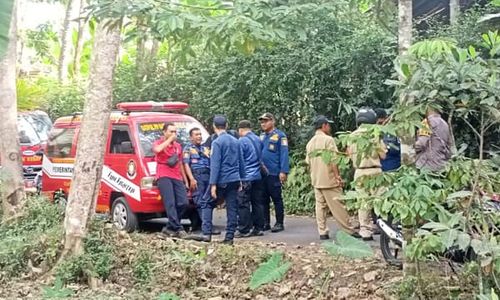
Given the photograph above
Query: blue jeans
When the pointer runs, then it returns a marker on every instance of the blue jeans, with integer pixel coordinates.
(205, 204)
(272, 190)
(174, 195)
(229, 192)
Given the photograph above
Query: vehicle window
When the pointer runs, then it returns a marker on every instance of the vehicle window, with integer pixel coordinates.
(149, 132)
(120, 141)
(26, 132)
(41, 123)
(60, 142)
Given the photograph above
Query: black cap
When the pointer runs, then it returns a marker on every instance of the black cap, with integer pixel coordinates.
(266, 116)
(245, 124)
(320, 120)
(220, 120)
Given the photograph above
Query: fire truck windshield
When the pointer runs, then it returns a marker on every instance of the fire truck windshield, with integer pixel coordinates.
(149, 132)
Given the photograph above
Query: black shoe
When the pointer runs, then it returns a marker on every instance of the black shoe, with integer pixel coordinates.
(266, 227)
(199, 238)
(278, 227)
(356, 235)
(242, 235)
(168, 232)
(324, 237)
(257, 232)
(216, 232)
(227, 242)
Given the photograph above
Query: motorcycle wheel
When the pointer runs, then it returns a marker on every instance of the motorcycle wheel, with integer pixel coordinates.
(391, 250)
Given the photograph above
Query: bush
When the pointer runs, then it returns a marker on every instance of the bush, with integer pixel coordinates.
(63, 100)
(34, 239)
(298, 193)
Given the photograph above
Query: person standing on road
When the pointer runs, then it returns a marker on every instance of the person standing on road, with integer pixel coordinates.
(392, 160)
(251, 217)
(326, 180)
(366, 165)
(226, 171)
(196, 159)
(276, 165)
(172, 180)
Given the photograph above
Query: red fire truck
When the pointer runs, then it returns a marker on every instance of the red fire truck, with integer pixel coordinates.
(128, 188)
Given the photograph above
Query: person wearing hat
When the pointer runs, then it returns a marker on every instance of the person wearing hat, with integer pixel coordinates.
(326, 180)
(226, 171)
(251, 218)
(276, 166)
(392, 160)
(366, 165)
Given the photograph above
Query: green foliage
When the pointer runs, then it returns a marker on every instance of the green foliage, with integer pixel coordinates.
(274, 269)
(298, 194)
(63, 100)
(44, 40)
(30, 95)
(142, 267)
(168, 296)
(33, 239)
(58, 291)
(96, 261)
(5, 17)
(348, 246)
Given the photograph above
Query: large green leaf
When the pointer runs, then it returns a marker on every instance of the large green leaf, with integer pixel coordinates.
(271, 270)
(348, 246)
(5, 16)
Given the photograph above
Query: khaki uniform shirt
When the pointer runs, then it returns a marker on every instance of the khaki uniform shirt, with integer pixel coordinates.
(372, 161)
(322, 176)
(434, 148)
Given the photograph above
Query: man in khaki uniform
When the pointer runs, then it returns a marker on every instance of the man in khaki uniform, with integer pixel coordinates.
(367, 165)
(326, 180)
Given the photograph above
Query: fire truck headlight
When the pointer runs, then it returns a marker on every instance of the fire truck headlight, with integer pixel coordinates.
(148, 182)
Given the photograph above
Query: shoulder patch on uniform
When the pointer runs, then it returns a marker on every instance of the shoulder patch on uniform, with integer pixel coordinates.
(284, 141)
(186, 154)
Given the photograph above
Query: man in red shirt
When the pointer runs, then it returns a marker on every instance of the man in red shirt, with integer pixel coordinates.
(172, 179)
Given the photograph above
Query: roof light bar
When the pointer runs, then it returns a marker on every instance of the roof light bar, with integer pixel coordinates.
(152, 106)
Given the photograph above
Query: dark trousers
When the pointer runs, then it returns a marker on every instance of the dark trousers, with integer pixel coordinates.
(229, 192)
(250, 210)
(272, 190)
(174, 195)
(205, 204)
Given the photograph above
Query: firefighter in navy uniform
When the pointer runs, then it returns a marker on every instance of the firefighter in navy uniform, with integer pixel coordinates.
(196, 158)
(276, 165)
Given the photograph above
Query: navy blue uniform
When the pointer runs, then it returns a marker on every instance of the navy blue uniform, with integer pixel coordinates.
(226, 170)
(275, 159)
(198, 159)
(392, 160)
(249, 197)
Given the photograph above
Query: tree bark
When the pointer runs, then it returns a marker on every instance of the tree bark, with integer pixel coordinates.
(79, 40)
(66, 41)
(454, 11)
(405, 27)
(92, 139)
(12, 183)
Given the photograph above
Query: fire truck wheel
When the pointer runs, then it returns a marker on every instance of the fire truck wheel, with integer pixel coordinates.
(122, 216)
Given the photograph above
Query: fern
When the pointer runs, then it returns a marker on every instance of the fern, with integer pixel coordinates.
(272, 270)
(348, 246)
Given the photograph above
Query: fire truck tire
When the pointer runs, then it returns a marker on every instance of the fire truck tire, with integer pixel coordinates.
(122, 216)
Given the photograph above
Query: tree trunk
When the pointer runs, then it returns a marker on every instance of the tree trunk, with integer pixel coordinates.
(79, 41)
(405, 27)
(12, 183)
(92, 139)
(66, 42)
(454, 11)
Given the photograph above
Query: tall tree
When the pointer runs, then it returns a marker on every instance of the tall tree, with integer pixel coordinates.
(72, 12)
(454, 11)
(92, 138)
(12, 189)
(80, 39)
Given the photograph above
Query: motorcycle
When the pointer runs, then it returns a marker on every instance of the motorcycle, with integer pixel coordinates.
(391, 237)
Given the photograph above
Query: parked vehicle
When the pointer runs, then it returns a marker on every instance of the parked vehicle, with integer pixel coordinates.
(128, 188)
(391, 237)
